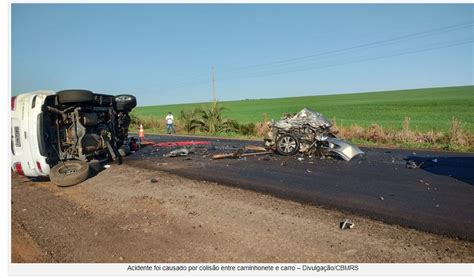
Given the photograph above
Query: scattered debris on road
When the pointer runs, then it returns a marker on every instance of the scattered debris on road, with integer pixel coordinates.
(240, 153)
(346, 224)
(411, 164)
(235, 154)
(134, 143)
(255, 153)
(181, 144)
(255, 148)
(179, 152)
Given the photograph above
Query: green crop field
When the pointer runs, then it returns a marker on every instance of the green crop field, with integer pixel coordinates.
(430, 108)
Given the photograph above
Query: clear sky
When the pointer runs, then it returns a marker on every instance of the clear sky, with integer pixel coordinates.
(164, 53)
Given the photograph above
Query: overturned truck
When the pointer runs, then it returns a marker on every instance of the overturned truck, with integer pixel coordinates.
(308, 132)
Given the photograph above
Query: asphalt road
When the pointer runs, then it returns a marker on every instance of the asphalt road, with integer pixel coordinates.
(437, 198)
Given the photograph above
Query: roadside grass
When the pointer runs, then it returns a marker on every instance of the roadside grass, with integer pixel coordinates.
(458, 138)
(371, 119)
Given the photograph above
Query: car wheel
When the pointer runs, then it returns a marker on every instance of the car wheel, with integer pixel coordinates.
(125, 103)
(287, 144)
(74, 96)
(69, 172)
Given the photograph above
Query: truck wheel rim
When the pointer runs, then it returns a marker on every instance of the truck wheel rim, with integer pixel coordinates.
(68, 169)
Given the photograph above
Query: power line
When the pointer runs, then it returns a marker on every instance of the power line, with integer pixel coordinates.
(358, 61)
(364, 59)
(325, 54)
(365, 45)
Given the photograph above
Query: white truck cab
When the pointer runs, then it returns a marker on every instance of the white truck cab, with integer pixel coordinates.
(28, 151)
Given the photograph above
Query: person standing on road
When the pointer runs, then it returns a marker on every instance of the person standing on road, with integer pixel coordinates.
(169, 123)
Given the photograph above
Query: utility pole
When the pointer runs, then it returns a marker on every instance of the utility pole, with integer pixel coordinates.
(214, 84)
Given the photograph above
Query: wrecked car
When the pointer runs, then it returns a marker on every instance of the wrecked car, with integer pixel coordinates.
(57, 134)
(308, 132)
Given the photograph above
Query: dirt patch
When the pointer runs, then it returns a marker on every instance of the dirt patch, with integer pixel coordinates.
(25, 249)
(120, 216)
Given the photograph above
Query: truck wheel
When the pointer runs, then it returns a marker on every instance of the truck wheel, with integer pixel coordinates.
(73, 96)
(287, 144)
(125, 103)
(69, 173)
(124, 150)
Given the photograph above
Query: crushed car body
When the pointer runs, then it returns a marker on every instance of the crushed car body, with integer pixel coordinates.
(308, 132)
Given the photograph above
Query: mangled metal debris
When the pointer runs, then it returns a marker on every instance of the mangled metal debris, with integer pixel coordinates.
(308, 132)
(346, 224)
(411, 164)
(179, 152)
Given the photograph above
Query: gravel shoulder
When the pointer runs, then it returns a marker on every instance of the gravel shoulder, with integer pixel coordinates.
(120, 216)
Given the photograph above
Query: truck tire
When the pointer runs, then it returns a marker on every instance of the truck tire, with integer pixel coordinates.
(69, 173)
(125, 103)
(74, 96)
(287, 144)
(124, 150)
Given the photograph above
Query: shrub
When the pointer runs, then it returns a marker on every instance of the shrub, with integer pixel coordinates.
(458, 135)
(210, 118)
(375, 133)
(263, 128)
(244, 129)
(431, 137)
(189, 119)
(147, 122)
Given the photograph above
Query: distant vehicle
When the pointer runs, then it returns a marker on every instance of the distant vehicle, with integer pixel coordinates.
(57, 134)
